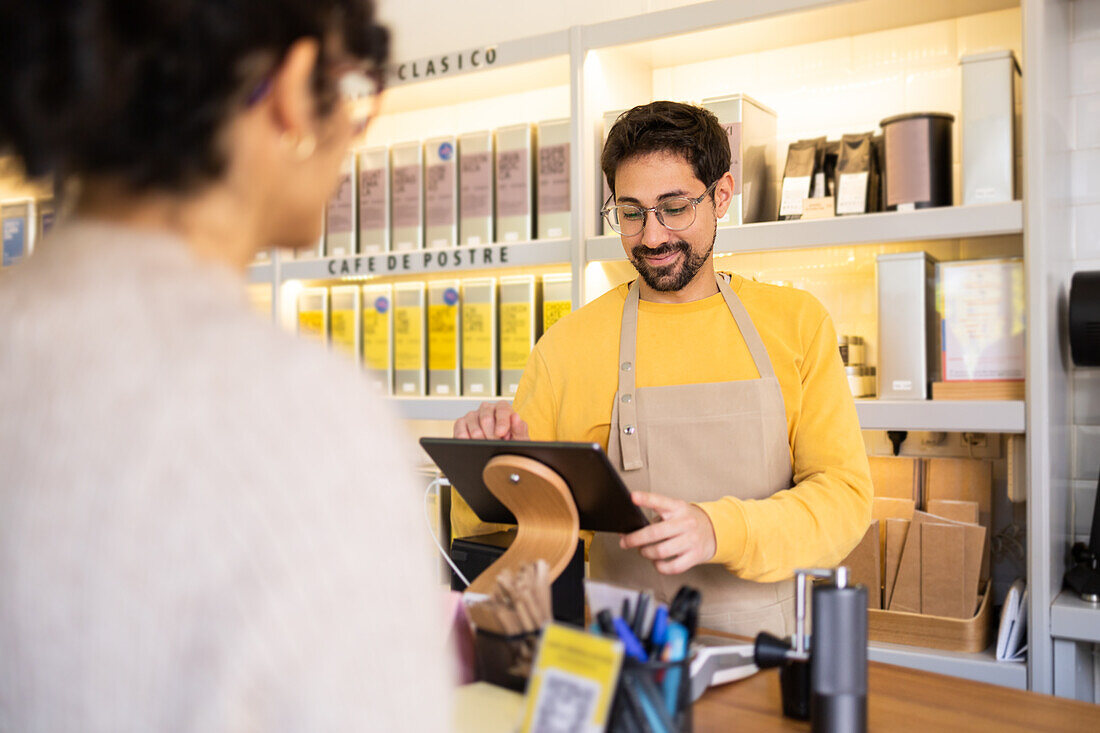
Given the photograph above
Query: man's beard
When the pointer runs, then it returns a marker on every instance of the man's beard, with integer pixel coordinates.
(675, 276)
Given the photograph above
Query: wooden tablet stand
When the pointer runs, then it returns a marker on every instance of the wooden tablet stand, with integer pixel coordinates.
(547, 519)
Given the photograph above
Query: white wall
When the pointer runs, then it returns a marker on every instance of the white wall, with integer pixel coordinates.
(1085, 228)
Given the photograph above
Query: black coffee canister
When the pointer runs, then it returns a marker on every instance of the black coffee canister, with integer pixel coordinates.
(838, 661)
(918, 160)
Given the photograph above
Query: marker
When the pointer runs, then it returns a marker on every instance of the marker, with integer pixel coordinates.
(675, 651)
(658, 635)
(631, 645)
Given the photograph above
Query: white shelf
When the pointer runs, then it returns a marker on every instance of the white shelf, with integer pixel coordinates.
(437, 408)
(942, 415)
(1075, 619)
(431, 261)
(721, 28)
(260, 272)
(948, 222)
(979, 666)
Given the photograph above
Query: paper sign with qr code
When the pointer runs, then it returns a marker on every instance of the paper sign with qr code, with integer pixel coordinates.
(573, 682)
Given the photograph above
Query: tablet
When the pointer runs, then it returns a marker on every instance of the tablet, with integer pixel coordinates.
(603, 502)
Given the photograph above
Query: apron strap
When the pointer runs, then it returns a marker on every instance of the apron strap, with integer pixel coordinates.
(748, 331)
(628, 411)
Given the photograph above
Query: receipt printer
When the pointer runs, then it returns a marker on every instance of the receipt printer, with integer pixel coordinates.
(473, 554)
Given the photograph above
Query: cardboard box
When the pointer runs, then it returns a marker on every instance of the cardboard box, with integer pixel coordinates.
(479, 337)
(908, 592)
(407, 196)
(377, 322)
(444, 339)
(340, 225)
(557, 298)
(519, 316)
(961, 479)
(344, 314)
(409, 342)
(865, 567)
(515, 183)
(441, 192)
(897, 477)
(19, 224)
(554, 179)
(896, 532)
(960, 511)
(942, 590)
(313, 314)
(476, 187)
(374, 200)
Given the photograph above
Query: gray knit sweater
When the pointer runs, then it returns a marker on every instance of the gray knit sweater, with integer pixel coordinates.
(205, 524)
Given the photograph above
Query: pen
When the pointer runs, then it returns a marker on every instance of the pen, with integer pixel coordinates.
(640, 610)
(631, 645)
(606, 623)
(658, 634)
(648, 698)
(675, 651)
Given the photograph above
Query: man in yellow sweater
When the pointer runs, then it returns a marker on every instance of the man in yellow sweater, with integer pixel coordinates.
(722, 401)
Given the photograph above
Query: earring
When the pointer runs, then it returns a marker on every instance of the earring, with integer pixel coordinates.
(303, 146)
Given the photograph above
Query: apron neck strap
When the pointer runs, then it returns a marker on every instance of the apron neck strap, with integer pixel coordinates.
(628, 337)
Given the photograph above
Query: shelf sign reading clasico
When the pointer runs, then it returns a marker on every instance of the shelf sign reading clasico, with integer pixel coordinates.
(439, 260)
(449, 64)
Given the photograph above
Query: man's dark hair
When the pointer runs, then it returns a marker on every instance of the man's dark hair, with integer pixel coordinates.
(139, 90)
(672, 127)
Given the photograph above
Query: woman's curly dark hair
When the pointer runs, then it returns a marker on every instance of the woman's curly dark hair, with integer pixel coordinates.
(139, 90)
(672, 127)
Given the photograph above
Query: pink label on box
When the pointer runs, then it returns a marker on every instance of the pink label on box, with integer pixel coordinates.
(733, 134)
(477, 176)
(339, 208)
(439, 198)
(372, 199)
(406, 196)
(554, 179)
(513, 190)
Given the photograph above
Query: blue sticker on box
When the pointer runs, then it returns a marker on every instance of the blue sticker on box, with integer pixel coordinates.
(446, 151)
(450, 296)
(382, 304)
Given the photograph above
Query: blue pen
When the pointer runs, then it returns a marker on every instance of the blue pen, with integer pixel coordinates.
(675, 651)
(631, 645)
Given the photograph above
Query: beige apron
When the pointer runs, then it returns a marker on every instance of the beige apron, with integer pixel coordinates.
(701, 442)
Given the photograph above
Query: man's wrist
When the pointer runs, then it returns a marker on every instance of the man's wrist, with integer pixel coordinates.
(728, 522)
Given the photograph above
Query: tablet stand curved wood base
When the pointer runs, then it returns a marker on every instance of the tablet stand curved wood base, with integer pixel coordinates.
(548, 524)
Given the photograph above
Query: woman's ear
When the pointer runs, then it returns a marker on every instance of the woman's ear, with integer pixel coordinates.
(292, 100)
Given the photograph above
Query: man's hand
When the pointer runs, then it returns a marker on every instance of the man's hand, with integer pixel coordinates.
(493, 420)
(682, 539)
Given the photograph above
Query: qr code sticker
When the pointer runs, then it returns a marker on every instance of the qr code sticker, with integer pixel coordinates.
(566, 704)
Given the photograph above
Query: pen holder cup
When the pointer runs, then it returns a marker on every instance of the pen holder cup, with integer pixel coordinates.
(653, 697)
(505, 660)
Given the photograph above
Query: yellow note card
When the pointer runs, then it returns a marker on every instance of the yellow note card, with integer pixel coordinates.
(442, 336)
(573, 681)
(477, 336)
(408, 325)
(515, 335)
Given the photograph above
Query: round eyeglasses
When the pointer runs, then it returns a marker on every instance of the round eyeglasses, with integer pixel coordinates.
(675, 214)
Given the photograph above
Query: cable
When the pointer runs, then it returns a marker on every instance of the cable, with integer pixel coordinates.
(435, 484)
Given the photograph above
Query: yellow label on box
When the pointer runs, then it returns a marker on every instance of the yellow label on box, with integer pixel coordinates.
(573, 681)
(376, 339)
(442, 337)
(343, 330)
(552, 311)
(311, 324)
(515, 335)
(408, 332)
(477, 336)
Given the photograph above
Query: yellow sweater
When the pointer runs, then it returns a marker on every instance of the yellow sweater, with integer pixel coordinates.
(569, 385)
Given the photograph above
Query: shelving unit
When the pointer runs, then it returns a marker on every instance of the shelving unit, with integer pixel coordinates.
(1074, 626)
(980, 667)
(685, 53)
(955, 222)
